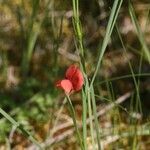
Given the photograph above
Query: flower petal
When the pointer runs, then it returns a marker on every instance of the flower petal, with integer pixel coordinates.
(77, 80)
(71, 71)
(74, 74)
(66, 85)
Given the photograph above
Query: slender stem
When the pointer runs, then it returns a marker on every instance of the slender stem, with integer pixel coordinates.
(138, 101)
(72, 111)
(139, 33)
(109, 29)
(90, 116)
(95, 118)
(18, 125)
(79, 38)
(124, 77)
(84, 117)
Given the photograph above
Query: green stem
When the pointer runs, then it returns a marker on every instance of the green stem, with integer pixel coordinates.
(72, 111)
(18, 125)
(109, 29)
(95, 118)
(84, 117)
(90, 116)
(124, 77)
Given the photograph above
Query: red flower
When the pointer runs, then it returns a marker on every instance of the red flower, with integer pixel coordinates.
(73, 80)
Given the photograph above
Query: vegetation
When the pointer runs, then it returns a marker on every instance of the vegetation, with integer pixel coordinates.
(108, 41)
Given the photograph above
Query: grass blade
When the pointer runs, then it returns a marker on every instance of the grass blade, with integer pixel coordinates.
(110, 26)
(140, 35)
(19, 126)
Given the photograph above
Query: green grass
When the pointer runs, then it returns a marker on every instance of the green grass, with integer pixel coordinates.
(20, 127)
(35, 108)
(88, 89)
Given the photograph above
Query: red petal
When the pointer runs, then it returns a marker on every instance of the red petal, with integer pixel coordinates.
(66, 85)
(75, 76)
(77, 80)
(71, 71)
